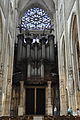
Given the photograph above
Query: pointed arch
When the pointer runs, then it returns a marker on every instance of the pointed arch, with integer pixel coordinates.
(74, 45)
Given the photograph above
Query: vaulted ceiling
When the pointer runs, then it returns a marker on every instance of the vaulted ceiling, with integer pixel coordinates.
(47, 5)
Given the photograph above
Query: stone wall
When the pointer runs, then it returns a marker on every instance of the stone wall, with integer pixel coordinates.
(65, 14)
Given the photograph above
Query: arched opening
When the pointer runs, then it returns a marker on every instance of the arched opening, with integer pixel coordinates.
(75, 47)
(63, 81)
(75, 57)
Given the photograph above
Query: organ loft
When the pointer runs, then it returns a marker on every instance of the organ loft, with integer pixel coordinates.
(35, 82)
(35, 87)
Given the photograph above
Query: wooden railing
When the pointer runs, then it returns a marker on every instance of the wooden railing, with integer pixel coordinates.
(45, 118)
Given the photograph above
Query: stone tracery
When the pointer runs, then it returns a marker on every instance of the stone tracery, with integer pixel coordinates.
(36, 19)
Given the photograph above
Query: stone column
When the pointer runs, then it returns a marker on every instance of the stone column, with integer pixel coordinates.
(21, 106)
(0, 91)
(63, 99)
(71, 90)
(49, 105)
(24, 95)
(51, 43)
(20, 39)
(42, 69)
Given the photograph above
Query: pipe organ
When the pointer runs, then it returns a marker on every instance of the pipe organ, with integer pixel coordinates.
(34, 65)
(36, 54)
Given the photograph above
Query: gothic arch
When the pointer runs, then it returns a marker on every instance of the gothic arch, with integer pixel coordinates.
(75, 56)
(35, 3)
(75, 48)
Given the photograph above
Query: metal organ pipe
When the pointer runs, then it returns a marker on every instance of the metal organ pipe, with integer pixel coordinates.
(28, 69)
(39, 70)
(28, 50)
(23, 52)
(28, 41)
(20, 40)
(36, 70)
(36, 51)
(47, 51)
(43, 41)
(42, 69)
(51, 42)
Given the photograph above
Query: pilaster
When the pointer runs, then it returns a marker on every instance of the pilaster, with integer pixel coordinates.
(21, 106)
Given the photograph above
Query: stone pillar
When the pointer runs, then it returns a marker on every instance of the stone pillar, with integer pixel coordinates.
(21, 106)
(46, 93)
(63, 99)
(24, 95)
(49, 105)
(20, 39)
(51, 43)
(0, 91)
(71, 90)
(42, 69)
